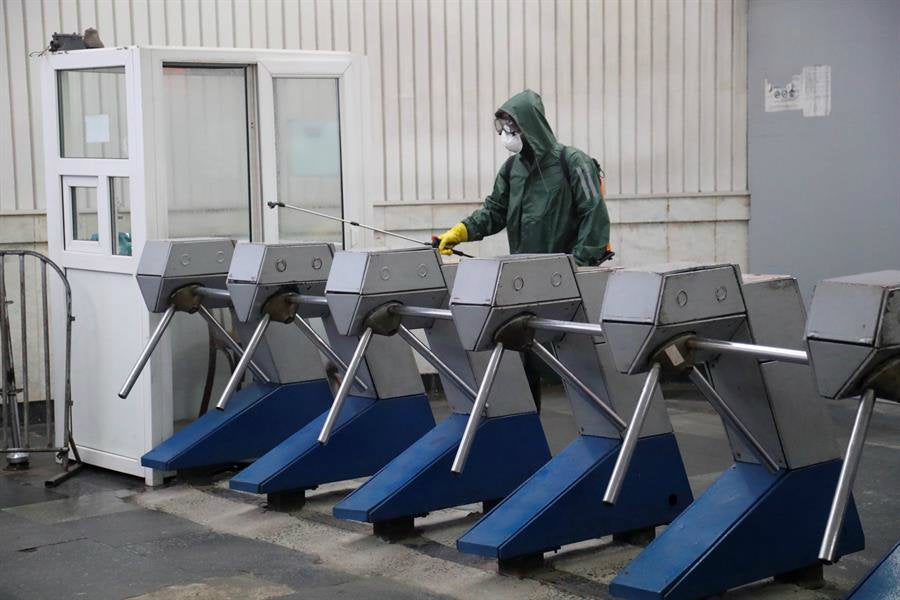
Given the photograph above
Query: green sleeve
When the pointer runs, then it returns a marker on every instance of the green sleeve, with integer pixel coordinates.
(593, 219)
(491, 218)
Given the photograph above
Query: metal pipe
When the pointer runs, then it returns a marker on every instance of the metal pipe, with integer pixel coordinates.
(213, 293)
(421, 311)
(632, 434)
(308, 299)
(244, 362)
(9, 375)
(358, 224)
(48, 403)
(828, 549)
(214, 323)
(146, 352)
(344, 388)
(326, 349)
(435, 361)
(23, 328)
(484, 390)
(755, 350)
(731, 418)
(560, 369)
(565, 326)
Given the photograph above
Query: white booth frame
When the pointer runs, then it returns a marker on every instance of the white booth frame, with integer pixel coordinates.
(149, 415)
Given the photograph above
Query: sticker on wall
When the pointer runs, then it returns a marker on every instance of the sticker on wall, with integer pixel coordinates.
(810, 92)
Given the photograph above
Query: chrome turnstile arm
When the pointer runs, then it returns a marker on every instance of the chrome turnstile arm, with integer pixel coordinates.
(233, 343)
(147, 351)
(435, 361)
(244, 362)
(731, 418)
(828, 549)
(364, 340)
(326, 349)
(560, 369)
(484, 390)
(632, 434)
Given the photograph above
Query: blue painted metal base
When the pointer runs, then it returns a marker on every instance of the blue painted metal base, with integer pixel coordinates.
(506, 451)
(258, 418)
(882, 582)
(749, 525)
(368, 434)
(562, 502)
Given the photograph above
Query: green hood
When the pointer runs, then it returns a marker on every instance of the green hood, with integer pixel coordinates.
(527, 111)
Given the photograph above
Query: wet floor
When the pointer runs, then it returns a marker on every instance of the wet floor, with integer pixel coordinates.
(104, 535)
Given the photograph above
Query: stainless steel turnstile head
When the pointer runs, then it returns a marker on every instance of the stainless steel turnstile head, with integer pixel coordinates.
(488, 292)
(646, 307)
(853, 335)
(167, 265)
(260, 270)
(362, 280)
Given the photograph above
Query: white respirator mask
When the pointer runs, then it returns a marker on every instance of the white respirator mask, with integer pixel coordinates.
(511, 141)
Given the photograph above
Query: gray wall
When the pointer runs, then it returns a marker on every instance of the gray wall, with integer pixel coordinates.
(826, 190)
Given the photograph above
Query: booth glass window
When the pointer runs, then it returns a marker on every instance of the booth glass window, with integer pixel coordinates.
(93, 121)
(308, 147)
(207, 125)
(83, 204)
(120, 210)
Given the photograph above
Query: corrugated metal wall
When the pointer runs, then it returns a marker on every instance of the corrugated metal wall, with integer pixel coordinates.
(654, 89)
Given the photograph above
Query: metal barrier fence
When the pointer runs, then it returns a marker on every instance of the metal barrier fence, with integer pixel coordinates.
(16, 414)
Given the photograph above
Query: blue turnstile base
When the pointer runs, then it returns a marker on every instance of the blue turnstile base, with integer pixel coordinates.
(749, 525)
(882, 582)
(257, 418)
(368, 434)
(562, 502)
(506, 451)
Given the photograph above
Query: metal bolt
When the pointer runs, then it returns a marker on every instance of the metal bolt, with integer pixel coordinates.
(518, 283)
(281, 265)
(681, 298)
(385, 273)
(556, 279)
(721, 293)
(317, 263)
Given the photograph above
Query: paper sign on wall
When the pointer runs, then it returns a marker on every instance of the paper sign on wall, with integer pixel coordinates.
(810, 92)
(96, 129)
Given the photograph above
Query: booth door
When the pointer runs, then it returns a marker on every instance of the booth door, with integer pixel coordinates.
(311, 141)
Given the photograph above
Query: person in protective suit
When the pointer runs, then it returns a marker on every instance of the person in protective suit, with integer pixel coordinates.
(547, 196)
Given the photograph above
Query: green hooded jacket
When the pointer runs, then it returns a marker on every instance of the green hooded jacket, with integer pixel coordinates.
(541, 212)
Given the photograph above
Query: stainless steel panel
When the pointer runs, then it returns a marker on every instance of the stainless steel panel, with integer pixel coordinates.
(393, 368)
(890, 320)
(300, 262)
(511, 394)
(348, 271)
(342, 308)
(836, 364)
(632, 296)
(403, 270)
(776, 311)
(475, 282)
(470, 320)
(154, 257)
(444, 341)
(625, 341)
(246, 262)
(243, 296)
(150, 285)
(739, 382)
(845, 312)
(700, 293)
(592, 283)
(537, 279)
(807, 433)
(199, 257)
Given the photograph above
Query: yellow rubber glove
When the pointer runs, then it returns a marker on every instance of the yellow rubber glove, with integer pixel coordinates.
(453, 236)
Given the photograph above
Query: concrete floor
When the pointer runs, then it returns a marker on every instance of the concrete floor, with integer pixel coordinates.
(104, 535)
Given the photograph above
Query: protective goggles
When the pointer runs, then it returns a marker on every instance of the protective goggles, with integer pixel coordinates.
(508, 126)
